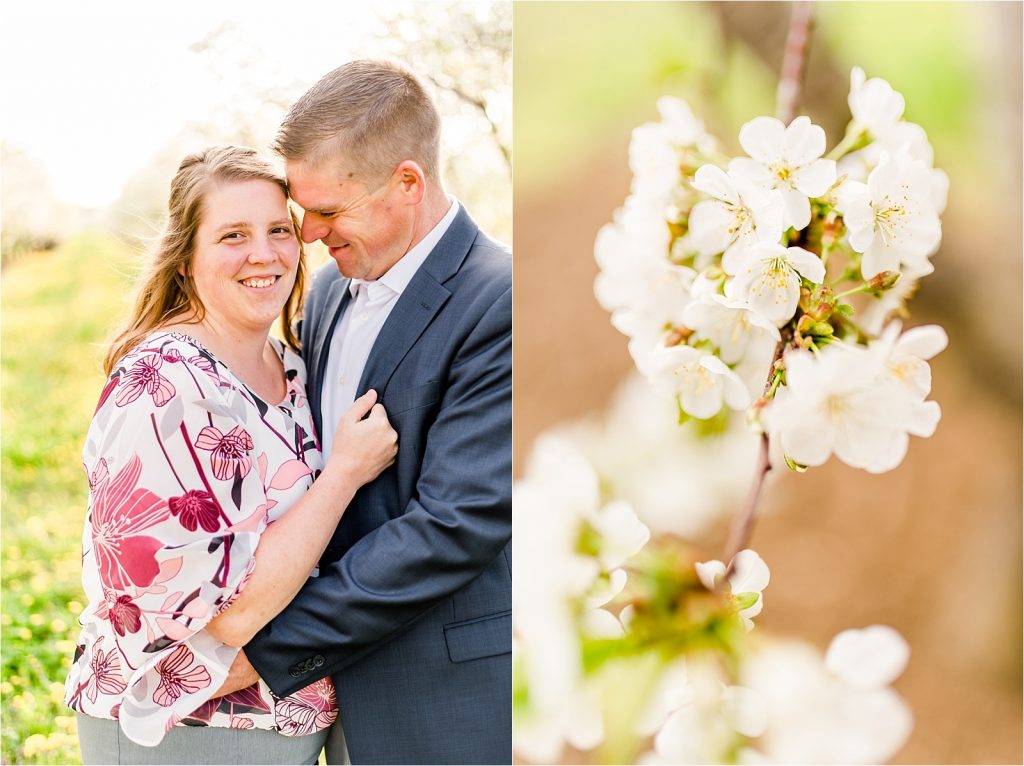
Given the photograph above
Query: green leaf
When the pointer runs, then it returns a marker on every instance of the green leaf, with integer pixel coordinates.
(845, 309)
(745, 600)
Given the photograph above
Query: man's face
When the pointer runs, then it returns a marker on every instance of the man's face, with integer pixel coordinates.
(366, 230)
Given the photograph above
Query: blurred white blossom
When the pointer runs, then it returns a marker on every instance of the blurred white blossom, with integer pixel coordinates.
(874, 104)
(749, 577)
(836, 709)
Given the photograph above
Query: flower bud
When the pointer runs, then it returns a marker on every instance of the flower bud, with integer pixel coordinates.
(822, 328)
(805, 298)
(804, 325)
(677, 336)
(884, 280)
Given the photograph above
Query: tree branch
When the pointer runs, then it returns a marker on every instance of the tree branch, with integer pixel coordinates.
(787, 97)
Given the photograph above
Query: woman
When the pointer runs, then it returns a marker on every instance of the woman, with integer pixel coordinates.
(201, 460)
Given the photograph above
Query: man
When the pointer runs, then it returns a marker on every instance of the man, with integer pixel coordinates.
(411, 612)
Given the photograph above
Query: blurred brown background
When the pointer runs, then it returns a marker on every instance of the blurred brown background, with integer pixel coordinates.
(933, 548)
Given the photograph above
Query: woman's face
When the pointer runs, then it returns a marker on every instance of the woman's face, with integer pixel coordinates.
(245, 255)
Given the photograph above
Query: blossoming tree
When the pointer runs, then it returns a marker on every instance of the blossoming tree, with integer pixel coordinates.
(762, 293)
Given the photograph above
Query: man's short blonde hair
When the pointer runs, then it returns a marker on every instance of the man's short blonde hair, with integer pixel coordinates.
(373, 113)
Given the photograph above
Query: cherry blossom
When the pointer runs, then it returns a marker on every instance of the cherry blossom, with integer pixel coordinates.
(868, 658)
(905, 356)
(655, 149)
(701, 381)
(891, 219)
(874, 104)
(833, 403)
(815, 715)
(749, 575)
(731, 324)
(902, 139)
(644, 291)
(769, 278)
(787, 158)
(738, 215)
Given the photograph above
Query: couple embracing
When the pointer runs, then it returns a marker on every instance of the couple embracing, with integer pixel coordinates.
(284, 553)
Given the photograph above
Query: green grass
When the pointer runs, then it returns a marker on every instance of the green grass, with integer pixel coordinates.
(57, 309)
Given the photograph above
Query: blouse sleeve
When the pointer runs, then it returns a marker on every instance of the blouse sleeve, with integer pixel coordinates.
(178, 502)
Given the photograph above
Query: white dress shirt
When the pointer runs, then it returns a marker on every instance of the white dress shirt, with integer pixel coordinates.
(358, 328)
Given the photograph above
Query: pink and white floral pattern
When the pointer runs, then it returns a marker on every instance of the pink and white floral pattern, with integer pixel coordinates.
(186, 468)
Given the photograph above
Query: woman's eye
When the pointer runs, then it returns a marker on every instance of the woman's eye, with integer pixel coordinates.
(281, 230)
(234, 235)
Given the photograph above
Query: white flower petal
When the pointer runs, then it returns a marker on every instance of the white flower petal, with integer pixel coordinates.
(804, 142)
(750, 574)
(763, 139)
(923, 342)
(710, 572)
(798, 209)
(878, 258)
(713, 180)
(815, 178)
(868, 658)
(710, 222)
(807, 263)
(751, 171)
(746, 711)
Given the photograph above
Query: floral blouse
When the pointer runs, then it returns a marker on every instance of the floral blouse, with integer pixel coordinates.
(186, 469)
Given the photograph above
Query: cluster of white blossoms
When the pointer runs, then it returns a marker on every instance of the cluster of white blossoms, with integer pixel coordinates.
(750, 700)
(568, 557)
(677, 479)
(791, 704)
(769, 281)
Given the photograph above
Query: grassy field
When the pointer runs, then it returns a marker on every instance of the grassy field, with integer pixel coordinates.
(57, 309)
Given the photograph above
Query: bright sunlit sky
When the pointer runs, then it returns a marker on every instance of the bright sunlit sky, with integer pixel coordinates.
(92, 91)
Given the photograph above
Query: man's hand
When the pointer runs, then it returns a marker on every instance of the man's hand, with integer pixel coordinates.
(241, 675)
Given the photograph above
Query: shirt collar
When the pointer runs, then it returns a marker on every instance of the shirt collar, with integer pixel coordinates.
(397, 278)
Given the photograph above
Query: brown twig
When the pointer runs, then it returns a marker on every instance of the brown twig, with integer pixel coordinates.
(787, 100)
(787, 97)
(743, 525)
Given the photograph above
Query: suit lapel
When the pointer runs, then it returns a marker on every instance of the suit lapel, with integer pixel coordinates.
(337, 299)
(419, 303)
(417, 306)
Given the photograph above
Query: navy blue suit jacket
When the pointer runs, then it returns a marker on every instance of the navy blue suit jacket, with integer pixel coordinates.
(412, 611)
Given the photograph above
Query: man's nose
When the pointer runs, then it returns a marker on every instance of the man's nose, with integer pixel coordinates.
(312, 230)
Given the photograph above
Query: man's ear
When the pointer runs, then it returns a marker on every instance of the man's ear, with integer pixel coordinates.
(411, 181)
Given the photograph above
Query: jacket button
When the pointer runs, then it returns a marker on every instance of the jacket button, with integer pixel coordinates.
(294, 672)
(319, 660)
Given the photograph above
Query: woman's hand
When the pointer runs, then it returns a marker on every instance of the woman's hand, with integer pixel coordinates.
(364, 445)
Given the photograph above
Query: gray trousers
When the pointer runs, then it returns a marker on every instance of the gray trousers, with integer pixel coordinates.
(103, 742)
